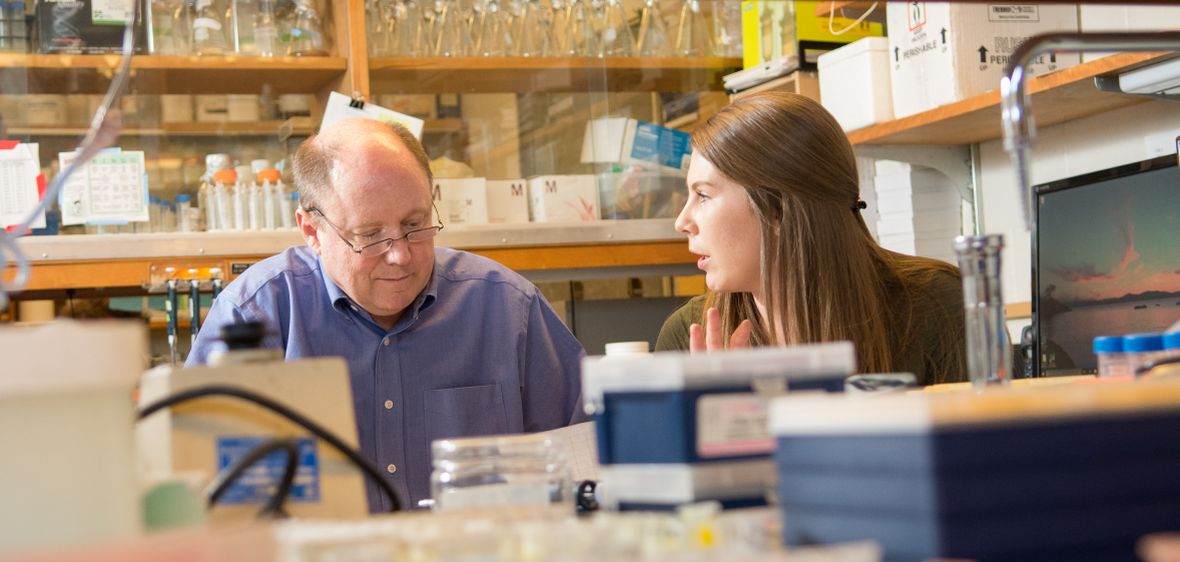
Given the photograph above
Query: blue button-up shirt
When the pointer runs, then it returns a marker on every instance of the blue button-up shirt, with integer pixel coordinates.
(479, 352)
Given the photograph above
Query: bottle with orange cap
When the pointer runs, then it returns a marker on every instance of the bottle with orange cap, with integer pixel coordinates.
(270, 183)
(223, 181)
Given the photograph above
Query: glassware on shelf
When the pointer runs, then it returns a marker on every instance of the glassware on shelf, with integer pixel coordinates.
(788, 31)
(307, 38)
(208, 30)
(410, 33)
(617, 40)
(653, 40)
(533, 31)
(169, 33)
(240, 17)
(522, 472)
(583, 33)
(450, 39)
(206, 194)
(494, 31)
(727, 29)
(692, 31)
(266, 29)
(182, 26)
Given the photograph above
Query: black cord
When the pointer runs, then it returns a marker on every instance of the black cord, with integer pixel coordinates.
(225, 390)
(1145, 368)
(274, 507)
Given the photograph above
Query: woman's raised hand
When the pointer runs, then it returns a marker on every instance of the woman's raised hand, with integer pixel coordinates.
(710, 338)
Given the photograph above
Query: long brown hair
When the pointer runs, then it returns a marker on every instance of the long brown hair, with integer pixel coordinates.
(824, 277)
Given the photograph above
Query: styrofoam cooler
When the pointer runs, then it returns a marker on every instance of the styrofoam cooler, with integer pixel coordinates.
(675, 428)
(854, 83)
(1068, 472)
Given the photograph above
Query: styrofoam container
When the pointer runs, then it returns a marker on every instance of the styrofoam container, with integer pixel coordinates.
(242, 108)
(508, 201)
(176, 108)
(462, 200)
(944, 52)
(854, 83)
(212, 108)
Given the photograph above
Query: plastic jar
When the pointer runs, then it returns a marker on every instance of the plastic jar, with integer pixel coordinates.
(528, 472)
(1112, 361)
(614, 349)
(1142, 349)
(184, 213)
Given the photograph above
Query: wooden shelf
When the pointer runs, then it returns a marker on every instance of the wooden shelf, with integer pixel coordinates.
(169, 74)
(413, 75)
(1056, 98)
(252, 129)
(824, 8)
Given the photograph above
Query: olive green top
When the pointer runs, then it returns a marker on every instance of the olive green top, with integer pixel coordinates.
(937, 311)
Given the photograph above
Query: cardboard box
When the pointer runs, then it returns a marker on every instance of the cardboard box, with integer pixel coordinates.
(942, 53)
(462, 201)
(854, 83)
(508, 201)
(212, 108)
(619, 140)
(563, 198)
(81, 26)
(772, 29)
(1112, 17)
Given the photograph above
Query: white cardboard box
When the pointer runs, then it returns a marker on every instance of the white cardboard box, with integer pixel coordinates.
(854, 83)
(462, 201)
(1111, 17)
(563, 198)
(508, 201)
(612, 140)
(942, 53)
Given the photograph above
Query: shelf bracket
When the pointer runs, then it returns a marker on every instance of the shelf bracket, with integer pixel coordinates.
(952, 161)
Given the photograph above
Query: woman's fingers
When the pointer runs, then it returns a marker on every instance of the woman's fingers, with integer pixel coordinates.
(710, 337)
(696, 338)
(714, 339)
(741, 336)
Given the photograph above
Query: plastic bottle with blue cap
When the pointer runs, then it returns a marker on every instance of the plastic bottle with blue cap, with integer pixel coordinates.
(1142, 349)
(1112, 361)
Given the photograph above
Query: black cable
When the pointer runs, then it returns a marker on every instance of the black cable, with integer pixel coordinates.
(225, 390)
(1146, 367)
(274, 507)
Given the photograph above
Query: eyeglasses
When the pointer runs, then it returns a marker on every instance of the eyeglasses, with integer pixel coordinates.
(380, 247)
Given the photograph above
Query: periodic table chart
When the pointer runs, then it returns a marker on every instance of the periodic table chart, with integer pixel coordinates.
(109, 189)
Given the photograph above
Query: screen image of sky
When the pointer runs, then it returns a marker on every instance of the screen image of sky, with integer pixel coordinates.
(1111, 240)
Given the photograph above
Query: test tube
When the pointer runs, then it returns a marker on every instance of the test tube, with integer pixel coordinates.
(171, 303)
(989, 356)
(194, 306)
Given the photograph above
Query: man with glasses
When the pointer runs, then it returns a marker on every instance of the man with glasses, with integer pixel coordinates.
(440, 343)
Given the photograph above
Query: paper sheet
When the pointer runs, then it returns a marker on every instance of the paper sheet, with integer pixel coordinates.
(111, 188)
(582, 444)
(339, 109)
(20, 167)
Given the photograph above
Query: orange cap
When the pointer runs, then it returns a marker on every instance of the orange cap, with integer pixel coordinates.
(269, 175)
(225, 176)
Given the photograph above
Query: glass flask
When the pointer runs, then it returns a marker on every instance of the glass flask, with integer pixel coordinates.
(307, 37)
(692, 31)
(494, 33)
(524, 472)
(654, 40)
(208, 30)
(266, 29)
(617, 40)
(583, 33)
(534, 31)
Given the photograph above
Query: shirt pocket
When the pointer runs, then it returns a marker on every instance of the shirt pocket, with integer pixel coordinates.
(467, 411)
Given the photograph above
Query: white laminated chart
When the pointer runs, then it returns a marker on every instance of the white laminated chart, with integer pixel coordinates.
(20, 167)
(109, 189)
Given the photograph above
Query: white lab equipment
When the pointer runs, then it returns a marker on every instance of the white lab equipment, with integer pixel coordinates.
(519, 471)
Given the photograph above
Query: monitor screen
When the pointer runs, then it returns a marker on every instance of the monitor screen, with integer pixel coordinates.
(1106, 260)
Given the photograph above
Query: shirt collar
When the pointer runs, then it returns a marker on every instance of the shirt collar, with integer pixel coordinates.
(343, 303)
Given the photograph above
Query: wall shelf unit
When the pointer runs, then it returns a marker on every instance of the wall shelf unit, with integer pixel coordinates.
(1058, 97)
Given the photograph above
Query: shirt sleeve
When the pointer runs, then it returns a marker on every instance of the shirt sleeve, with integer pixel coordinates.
(551, 384)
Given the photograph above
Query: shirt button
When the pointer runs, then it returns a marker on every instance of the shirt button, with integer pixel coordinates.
(389, 404)
(391, 468)
(385, 341)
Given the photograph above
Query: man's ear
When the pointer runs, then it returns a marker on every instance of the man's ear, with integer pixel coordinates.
(307, 228)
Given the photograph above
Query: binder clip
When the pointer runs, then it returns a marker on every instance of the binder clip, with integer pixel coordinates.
(356, 102)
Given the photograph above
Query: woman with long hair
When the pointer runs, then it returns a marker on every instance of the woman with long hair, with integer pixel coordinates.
(774, 213)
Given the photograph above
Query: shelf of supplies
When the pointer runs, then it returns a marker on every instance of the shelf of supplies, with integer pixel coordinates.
(1056, 98)
(250, 129)
(125, 260)
(852, 9)
(410, 75)
(803, 82)
(175, 74)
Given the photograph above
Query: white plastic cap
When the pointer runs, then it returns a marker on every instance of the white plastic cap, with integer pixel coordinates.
(627, 348)
(259, 165)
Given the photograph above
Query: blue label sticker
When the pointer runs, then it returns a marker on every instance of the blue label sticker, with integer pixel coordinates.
(259, 482)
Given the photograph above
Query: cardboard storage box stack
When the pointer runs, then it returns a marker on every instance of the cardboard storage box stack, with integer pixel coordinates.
(942, 53)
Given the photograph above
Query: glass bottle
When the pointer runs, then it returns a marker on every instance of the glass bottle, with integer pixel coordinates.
(409, 29)
(307, 37)
(206, 199)
(494, 33)
(271, 182)
(449, 39)
(692, 32)
(223, 182)
(240, 15)
(617, 40)
(727, 29)
(989, 355)
(208, 30)
(788, 31)
(182, 23)
(583, 39)
(535, 35)
(169, 35)
(266, 29)
(653, 32)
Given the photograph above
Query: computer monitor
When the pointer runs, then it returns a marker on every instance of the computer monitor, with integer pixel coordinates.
(1106, 261)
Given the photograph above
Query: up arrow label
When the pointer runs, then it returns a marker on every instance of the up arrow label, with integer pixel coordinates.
(943, 36)
(982, 54)
(896, 54)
